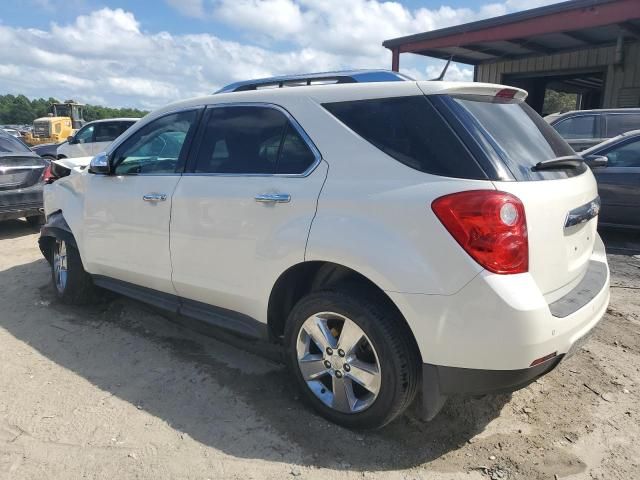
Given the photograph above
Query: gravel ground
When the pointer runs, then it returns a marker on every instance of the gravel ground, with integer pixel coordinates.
(118, 390)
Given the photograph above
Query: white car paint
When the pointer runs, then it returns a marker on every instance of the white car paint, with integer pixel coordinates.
(232, 234)
(212, 243)
(117, 219)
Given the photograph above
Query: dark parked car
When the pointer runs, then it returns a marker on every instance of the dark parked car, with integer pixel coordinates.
(618, 180)
(48, 150)
(22, 175)
(583, 129)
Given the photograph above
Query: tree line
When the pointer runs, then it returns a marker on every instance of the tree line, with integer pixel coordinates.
(19, 110)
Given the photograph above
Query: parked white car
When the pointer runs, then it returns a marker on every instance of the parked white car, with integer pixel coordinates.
(94, 137)
(393, 237)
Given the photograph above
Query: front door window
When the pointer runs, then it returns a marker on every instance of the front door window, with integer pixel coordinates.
(155, 148)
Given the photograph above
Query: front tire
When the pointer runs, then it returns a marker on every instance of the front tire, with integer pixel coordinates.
(354, 359)
(72, 284)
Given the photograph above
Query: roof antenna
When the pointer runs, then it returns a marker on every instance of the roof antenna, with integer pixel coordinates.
(444, 70)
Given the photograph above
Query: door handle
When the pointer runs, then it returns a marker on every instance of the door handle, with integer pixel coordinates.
(154, 197)
(273, 198)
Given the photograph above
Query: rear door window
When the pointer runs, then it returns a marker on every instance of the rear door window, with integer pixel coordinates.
(295, 155)
(511, 132)
(618, 123)
(410, 130)
(250, 140)
(107, 131)
(124, 126)
(575, 128)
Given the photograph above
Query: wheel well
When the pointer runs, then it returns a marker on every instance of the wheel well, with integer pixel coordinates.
(55, 227)
(60, 157)
(307, 277)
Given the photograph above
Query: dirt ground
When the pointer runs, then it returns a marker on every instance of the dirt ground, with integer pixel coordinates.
(118, 391)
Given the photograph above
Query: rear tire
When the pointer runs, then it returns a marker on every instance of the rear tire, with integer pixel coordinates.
(71, 283)
(379, 370)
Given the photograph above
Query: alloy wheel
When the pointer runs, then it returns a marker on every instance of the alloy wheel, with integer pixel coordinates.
(60, 265)
(338, 362)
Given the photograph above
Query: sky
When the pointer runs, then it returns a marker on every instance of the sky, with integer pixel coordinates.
(146, 54)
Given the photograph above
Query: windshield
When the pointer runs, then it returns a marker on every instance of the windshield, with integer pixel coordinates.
(511, 132)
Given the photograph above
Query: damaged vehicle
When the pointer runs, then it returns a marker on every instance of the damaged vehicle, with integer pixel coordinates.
(399, 240)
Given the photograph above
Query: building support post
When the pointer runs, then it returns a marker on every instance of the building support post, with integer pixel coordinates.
(395, 59)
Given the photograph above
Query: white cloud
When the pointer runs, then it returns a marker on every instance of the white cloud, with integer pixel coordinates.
(348, 27)
(455, 72)
(107, 55)
(132, 67)
(277, 18)
(189, 8)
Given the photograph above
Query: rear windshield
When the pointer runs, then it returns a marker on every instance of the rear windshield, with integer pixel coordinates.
(512, 132)
(410, 130)
(8, 144)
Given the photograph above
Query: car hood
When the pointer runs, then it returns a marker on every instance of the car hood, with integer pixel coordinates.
(75, 165)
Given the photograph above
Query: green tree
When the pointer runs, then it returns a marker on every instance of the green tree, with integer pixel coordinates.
(20, 110)
(559, 102)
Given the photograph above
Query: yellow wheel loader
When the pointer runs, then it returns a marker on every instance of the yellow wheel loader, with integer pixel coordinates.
(65, 118)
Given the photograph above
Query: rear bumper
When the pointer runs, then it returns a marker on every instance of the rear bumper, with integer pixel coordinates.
(439, 382)
(502, 322)
(21, 203)
(484, 338)
(471, 381)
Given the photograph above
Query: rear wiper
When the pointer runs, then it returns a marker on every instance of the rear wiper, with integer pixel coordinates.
(570, 161)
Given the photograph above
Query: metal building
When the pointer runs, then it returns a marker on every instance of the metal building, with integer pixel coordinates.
(590, 48)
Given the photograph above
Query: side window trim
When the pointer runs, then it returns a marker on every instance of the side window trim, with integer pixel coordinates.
(197, 142)
(188, 142)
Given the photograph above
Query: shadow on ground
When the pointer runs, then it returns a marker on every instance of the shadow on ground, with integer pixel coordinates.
(15, 228)
(132, 352)
(621, 242)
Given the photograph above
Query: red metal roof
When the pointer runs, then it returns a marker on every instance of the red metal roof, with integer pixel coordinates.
(560, 27)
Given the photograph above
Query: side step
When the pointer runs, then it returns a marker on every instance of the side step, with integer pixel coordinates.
(222, 318)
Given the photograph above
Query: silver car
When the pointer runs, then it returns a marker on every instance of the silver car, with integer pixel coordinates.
(583, 129)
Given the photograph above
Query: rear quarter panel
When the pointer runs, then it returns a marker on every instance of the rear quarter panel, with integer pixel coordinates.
(374, 214)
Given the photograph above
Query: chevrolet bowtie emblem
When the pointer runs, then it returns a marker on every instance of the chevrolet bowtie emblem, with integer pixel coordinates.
(583, 213)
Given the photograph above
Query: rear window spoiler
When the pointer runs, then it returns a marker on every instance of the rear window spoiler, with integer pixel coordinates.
(469, 88)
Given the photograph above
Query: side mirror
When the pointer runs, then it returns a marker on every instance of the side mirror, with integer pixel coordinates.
(100, 164)
(71, 139)
(596, 161)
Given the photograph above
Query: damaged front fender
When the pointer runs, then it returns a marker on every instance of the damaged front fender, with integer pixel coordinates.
(56, 227)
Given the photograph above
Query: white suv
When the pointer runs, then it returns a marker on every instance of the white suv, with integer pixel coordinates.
(395, 238)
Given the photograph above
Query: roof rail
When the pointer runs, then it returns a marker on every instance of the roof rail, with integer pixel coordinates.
(320, 78)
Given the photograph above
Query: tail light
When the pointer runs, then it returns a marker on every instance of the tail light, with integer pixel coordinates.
(506, 93)
(48, 176)
(490, 226)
